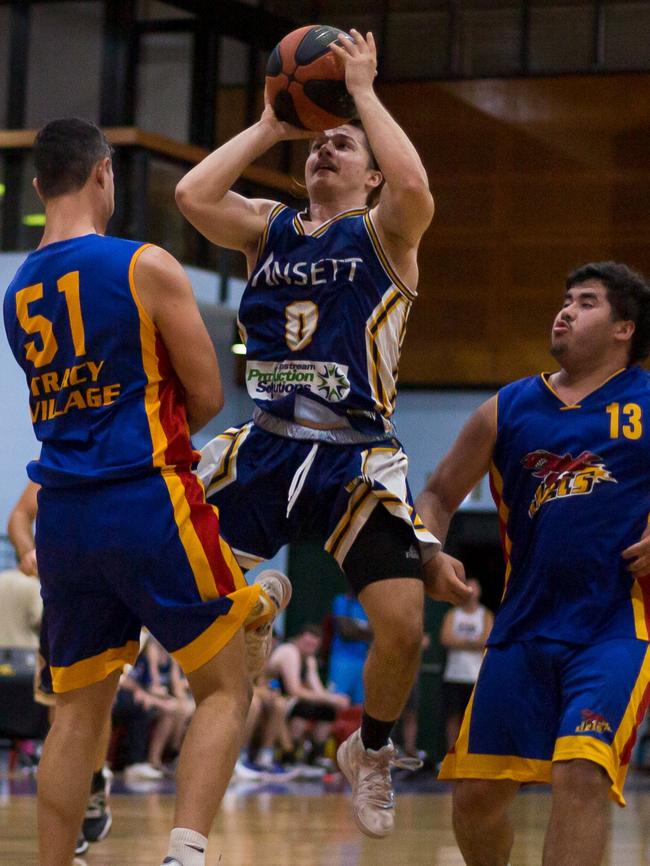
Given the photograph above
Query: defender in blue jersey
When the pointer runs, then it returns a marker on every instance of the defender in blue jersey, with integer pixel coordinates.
(565, 680)
(323, 317)
(120, 369)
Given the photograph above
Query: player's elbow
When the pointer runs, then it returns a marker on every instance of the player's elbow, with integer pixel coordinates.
(188, 196)
(183, 195)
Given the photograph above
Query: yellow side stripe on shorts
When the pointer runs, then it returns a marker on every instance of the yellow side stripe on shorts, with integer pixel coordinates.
(216, 636)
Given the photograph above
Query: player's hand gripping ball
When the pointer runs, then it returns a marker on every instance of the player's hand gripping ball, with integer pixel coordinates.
(305, 83)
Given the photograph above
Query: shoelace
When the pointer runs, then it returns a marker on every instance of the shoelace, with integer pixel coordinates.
(376, 787)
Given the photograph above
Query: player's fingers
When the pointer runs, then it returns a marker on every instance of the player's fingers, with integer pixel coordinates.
(459, 589)
(348, 44)
(459, 570)
(640, 565)
(370, 39)
(340, 55)
(632, 551)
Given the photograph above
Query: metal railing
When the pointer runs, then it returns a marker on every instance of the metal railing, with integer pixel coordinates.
(147, 167)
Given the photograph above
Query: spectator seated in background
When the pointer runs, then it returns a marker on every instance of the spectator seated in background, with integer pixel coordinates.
(163, 678)
(294, 665)
(266, 730)
(351, 637)
(139, 710)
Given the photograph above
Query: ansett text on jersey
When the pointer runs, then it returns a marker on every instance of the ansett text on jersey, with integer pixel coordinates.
(323, 318)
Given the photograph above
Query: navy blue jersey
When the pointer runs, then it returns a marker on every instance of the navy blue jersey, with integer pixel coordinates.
(572, 485)
(104, 399)
(323, 317)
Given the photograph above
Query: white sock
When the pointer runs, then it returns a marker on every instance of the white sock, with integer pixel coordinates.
(187, 846)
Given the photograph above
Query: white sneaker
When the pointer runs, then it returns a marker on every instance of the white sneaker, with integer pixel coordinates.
(368, 772)
(247, 771)
(309, 771)
(275, 597)
(146, 772)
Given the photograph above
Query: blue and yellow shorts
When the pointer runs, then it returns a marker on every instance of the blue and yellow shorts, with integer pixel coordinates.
(117, 556)
(541, 701)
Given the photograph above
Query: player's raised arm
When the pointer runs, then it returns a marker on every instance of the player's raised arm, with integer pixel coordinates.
(459, 471)
(204, 195)
(406, 205)
(166, 293)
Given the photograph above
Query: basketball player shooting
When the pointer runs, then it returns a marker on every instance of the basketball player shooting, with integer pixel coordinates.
(323, 316)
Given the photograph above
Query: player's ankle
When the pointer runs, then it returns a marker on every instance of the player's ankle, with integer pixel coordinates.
(188, 847)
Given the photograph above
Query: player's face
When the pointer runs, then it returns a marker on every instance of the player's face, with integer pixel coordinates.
(338, 161)
(585, 324)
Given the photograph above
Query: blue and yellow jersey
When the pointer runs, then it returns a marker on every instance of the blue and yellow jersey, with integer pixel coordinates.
(104, 399)
(572, 487)
(323, 318)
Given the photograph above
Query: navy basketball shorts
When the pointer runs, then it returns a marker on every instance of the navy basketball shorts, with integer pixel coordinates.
(140, 552)
(271, 490)
(541, 701)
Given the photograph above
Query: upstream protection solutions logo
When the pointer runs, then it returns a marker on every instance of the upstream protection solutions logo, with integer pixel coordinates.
(272, 380)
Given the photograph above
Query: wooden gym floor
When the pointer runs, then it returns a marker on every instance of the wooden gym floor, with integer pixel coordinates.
(306, 825)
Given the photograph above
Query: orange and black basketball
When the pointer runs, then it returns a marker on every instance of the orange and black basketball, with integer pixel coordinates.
(305, 83)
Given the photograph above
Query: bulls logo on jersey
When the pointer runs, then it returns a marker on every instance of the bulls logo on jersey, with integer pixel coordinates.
(564, 475)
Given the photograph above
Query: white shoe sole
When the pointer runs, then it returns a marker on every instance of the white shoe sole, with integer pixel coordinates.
(105, 830)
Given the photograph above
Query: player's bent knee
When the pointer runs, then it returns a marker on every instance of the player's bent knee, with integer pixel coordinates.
(400, 633)
(580, 779)
(478, 801)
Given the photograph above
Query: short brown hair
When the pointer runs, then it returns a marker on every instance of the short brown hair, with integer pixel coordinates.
(65, 151)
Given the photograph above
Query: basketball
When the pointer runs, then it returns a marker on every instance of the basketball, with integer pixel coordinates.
(304, 82)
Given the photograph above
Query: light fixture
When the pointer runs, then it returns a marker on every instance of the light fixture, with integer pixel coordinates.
(34, 219)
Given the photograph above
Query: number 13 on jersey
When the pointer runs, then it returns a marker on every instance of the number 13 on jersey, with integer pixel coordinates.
(625, 420)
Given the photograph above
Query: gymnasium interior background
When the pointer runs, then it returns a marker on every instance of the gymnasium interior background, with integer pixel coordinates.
(532, 118)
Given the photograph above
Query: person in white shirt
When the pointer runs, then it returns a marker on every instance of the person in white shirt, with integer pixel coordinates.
(463, 633)
(21, 609)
